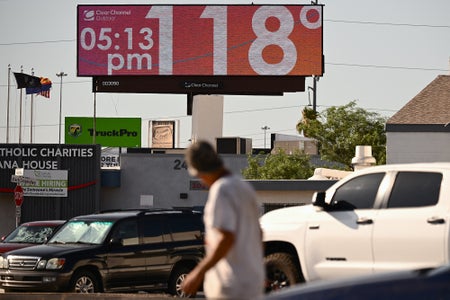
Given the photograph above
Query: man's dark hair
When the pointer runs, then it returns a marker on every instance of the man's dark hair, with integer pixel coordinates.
(202, 158)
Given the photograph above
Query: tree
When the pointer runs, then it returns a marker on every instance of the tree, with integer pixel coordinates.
(279, 166)
(340, 129)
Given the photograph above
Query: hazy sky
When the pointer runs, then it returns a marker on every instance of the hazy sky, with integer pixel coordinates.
(380, 53)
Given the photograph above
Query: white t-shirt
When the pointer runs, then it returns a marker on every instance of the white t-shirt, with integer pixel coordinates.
(232, 206)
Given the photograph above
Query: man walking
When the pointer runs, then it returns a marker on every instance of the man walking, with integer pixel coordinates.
(233, 266)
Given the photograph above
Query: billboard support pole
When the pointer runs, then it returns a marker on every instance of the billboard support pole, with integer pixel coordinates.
(94, 121)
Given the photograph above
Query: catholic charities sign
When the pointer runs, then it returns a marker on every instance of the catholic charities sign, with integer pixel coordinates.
(47, 183)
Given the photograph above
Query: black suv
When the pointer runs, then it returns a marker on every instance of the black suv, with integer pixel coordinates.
(131, 250)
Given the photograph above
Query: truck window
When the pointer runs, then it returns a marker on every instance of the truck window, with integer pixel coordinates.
(359, 192)
(415, 189)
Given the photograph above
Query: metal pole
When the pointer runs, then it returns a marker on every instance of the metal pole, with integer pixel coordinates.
(60, 75)
(265, 128)
(314, 93)
(31, 113)
(95, 112)
(20, 111)
(7, 104)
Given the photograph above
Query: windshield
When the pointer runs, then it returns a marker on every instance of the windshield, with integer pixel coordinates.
(83, 232)
(29, 234)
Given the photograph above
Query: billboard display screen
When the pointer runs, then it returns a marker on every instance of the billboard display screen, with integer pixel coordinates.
(200, 40)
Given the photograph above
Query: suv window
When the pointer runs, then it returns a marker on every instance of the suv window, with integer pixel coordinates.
(152, 229)
(415, 189)
(360, 192)
(185, 227)
(127, 232)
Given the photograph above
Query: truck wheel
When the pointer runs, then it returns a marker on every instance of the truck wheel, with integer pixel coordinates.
(280, 271)
(176, 279)
(85, 282)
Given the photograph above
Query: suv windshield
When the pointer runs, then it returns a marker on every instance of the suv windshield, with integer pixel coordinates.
(29, 234)
(84, 232)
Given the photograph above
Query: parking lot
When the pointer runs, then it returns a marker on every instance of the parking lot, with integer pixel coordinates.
(97, 296)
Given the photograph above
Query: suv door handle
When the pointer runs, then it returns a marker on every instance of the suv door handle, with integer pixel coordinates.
(364, 221)
(436, 220)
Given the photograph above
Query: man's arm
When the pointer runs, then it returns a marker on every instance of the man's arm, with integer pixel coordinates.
(192, 282)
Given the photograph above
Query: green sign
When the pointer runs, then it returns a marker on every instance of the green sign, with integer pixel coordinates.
(109, 132)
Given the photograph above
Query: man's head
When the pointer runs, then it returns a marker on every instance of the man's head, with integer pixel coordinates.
(201, 159)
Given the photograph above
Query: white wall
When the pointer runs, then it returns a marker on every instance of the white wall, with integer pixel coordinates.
(207, 117)
(409, 147)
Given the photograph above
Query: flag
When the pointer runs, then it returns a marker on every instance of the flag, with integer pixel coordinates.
(43, 89)
(27, 81)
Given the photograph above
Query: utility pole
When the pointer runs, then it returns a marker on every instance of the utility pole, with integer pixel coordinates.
(60, 75)
(265, 128)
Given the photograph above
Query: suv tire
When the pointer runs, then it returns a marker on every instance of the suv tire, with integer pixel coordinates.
(280, 271)
(176, 279)
(85, 282)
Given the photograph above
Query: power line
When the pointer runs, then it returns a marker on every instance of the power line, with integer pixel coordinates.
(332, 64)
(325, 20)
(385, 67)
(235, 112)
(36, 42)
(387, 23)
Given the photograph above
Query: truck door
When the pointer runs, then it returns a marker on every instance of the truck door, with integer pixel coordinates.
(339, 238)
(410, 232)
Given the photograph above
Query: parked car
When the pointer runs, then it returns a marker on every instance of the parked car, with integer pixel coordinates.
(131, 250)
(379, 219)
(423, 284)
(29, 234)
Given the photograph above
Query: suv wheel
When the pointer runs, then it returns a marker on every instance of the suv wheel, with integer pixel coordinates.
(176, 279)
(85, 282)
(280, 271)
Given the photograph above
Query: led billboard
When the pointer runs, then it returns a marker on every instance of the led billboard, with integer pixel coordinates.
(200, 40)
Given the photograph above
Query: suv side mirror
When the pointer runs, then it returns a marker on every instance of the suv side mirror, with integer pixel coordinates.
(116, 242)
(319, 199)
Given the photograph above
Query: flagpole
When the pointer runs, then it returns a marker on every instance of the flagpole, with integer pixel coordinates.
(7, 104)
(60, 75)
(20, 111)
(31, 113)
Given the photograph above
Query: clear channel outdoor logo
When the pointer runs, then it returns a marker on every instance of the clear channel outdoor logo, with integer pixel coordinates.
(75, 130)
(89, 15)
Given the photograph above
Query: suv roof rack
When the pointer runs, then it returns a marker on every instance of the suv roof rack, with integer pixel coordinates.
(185, 209)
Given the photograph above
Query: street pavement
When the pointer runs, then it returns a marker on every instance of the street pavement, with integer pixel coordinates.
(97, 296)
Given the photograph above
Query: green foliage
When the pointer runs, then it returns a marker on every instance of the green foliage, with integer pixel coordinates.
(340, 129)
(279, 166)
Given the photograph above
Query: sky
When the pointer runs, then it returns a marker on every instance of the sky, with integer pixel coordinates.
(378, 53)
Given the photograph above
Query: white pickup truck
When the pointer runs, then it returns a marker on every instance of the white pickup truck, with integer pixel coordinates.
(378, 219)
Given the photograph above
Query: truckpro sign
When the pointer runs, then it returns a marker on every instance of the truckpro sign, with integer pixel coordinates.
(200, 40)
(108, 132)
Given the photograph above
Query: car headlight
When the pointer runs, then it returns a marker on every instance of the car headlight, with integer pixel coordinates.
(1, 262)
(55, 263)
(41, 264)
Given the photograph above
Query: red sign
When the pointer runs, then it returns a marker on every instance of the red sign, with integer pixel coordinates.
(18, 195)
(199, 40)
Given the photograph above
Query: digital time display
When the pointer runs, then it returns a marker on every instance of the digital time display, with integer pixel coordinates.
(222, 40)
